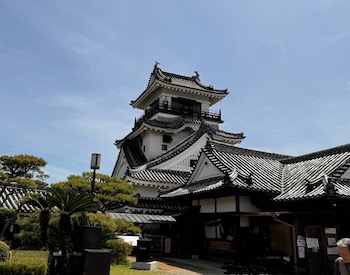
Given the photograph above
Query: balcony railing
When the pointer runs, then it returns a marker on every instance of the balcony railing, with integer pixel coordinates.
(180, 111)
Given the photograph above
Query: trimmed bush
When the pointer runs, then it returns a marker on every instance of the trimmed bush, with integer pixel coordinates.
(27, 266)
(4, 251)
(120, 251)
(25, 263)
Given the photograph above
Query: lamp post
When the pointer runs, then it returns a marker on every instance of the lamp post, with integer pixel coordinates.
(95, 164)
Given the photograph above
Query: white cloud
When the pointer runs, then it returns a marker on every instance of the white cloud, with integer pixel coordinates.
(348, 85)
(278, 44)
(336, 37)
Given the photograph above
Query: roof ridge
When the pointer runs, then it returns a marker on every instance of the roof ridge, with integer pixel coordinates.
(245, 151)
(330, 151)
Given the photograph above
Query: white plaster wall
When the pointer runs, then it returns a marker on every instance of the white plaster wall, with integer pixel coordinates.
(208, 170)
(180, 136)
(346, 175)
(122, 169)
(226, 204)
(182, 161)
(153, 142)
(207, 206)
(205, 106)
(247, 206)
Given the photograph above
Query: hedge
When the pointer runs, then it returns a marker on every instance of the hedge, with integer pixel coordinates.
(25, 263)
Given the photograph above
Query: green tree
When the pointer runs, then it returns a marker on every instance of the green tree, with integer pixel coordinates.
(110, 191)
(67, 202)
(25, 170)
(44, 207)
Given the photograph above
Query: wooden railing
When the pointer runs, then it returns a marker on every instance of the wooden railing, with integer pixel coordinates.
(181, 111)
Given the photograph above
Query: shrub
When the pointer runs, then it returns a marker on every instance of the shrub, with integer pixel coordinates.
(26, 263)
(4, 252)
(120, 251)
(5, 215)
(125, 226)
(29, 235)
(27, 266)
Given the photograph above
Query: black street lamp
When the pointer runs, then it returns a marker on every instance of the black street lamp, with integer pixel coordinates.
(95, 164)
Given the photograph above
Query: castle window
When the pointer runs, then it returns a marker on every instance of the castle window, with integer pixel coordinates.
(167, 139)
(164, 147)
(144, 148)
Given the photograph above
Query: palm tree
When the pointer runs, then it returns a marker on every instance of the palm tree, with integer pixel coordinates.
(67, 202)
(44, 205)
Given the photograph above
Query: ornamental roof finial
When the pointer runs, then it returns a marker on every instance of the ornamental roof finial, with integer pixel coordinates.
(156, 65)
(197, 73)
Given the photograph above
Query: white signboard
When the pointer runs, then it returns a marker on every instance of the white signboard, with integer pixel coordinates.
(331, 241)
(313, 244)
(301, 241)
(332, 250)
(330, 231)
(301, 252)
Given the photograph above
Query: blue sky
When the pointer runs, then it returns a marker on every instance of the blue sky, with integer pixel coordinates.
(69, 70)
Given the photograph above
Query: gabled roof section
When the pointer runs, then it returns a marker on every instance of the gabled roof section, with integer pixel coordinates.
(203, 186)
(181, 83)
(246, 169)
(303, 175)
(134, 154)
(186, 143)
(166, 177)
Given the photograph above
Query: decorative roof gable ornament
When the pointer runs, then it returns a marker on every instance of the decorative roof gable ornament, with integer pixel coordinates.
(328, 186)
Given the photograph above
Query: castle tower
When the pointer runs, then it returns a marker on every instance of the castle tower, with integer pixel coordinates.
(166, 140)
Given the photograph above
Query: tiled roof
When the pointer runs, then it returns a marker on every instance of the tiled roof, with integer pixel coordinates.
(180, 82)
(195, 188)
(261, 168)
(174, 123)
(143, 218)
(294, 178)
(192, 82)
(11, 196)
(160, 176)
(303, 171)
(248, 170)
(229, 135)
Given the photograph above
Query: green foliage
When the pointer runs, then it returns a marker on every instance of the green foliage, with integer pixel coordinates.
(5, 215)
(30, 232)
(126, 227)
(120, 251)
(105, 221)
(26, 263)
(4, 251)
(69, 202)
(110, 191)
(23, 169)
